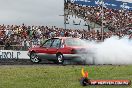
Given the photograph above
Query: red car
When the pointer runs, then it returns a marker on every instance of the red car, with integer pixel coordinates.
(57, 49)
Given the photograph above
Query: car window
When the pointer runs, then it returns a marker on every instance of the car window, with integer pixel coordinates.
(73, 42)
(48, 43)
(56, 43)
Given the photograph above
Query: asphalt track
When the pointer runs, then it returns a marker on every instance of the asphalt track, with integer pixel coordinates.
(28, 62)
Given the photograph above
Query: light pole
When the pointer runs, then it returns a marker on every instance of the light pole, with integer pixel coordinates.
(102, 19)
(65, 2)
(101, 3)
(124, 11)
(102, 26)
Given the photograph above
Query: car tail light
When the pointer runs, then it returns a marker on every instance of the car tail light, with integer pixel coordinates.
(73, 51)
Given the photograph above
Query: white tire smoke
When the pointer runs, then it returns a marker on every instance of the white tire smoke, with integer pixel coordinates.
(113, 51)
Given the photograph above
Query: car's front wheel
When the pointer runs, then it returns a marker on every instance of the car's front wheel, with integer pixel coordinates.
(60, 59)
(34, 58)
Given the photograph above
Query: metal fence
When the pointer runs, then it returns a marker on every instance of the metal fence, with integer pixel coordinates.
(22, 47)
(14, 47)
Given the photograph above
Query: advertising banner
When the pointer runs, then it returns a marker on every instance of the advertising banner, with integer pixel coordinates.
(113, 4)
(11, 54)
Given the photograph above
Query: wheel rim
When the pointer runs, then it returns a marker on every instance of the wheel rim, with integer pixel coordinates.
(34, 58)
(60, 58)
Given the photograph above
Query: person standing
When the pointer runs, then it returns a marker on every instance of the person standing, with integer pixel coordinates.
(7, 44)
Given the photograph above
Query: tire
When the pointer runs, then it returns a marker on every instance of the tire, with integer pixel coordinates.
(34, 58)
(60, 58)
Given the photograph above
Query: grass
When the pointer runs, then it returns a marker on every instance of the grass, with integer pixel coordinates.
(43, 76)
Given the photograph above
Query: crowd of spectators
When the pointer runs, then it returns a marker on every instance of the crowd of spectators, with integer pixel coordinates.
(27, 36)
(113, 19)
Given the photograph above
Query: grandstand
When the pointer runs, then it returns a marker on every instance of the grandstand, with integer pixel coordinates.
(113, 15)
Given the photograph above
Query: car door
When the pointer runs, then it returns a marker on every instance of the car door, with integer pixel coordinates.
(44, 49)
(55, 46)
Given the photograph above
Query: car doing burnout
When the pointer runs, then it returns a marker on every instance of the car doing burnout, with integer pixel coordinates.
(57, 50)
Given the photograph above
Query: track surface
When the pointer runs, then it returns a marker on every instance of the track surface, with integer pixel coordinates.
(20, 62)
(28, 62)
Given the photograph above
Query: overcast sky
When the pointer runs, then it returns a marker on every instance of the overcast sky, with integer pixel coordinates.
(38, 12)
(34, 12)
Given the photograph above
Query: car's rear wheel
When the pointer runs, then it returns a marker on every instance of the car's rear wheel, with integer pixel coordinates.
(60, 59)
(34, 58)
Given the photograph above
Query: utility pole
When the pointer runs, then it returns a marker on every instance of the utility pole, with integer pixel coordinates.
(102, 26)
(101, 4)
(65, 1)
(124, 11)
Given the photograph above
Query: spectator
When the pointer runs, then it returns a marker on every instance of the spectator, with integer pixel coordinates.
(28, 36)
(25, 44)
(7, 44)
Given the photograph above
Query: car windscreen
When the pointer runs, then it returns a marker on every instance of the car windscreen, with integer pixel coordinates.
(73, 42)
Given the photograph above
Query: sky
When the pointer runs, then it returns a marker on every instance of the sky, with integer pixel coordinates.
(32, 12)
(35, 12)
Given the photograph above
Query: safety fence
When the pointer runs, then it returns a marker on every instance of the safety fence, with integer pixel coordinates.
(14, 47)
